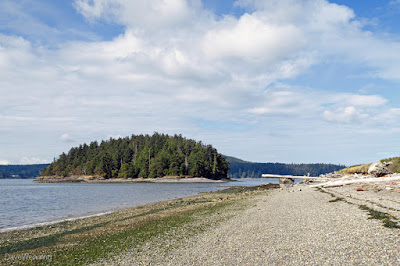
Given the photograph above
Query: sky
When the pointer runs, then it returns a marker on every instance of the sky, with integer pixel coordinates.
(292, 81)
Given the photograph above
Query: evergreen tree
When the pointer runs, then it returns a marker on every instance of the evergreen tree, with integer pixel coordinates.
(141, 156)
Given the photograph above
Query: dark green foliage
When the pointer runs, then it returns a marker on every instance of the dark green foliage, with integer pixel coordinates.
(242, 169)
(141, 156)
(21, 171)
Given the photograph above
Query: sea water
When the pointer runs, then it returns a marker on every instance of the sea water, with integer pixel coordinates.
(25, 203)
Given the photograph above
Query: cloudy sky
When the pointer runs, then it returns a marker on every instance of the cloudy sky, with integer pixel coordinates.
(262, 80)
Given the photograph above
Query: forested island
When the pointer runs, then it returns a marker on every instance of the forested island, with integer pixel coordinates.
(168, 156)
(141, 156)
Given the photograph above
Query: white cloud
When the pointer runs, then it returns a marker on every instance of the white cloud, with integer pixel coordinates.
(286, 102)
(14, 51)
(250, 38)
(347, 114)
(391, 117)
(357, 100)
(136, 13)
(177, 63)
(320, 13)
(66, 138)
(365, 100)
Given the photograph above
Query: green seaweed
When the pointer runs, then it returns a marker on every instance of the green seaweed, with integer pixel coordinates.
(337, 199)
(387, 219)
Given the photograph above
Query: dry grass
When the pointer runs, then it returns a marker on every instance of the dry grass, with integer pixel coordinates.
(356, 169)
(395, 166)
(363, 168)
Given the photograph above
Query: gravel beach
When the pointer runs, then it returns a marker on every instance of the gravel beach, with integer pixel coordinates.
(299, 225)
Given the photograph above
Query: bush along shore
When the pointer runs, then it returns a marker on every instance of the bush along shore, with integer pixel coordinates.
(91, 239)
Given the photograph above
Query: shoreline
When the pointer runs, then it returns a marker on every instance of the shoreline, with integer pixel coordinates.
(89, 179)
(84, 216)
(92, 233)
(236, 226)
(56, 221)
(74, 217)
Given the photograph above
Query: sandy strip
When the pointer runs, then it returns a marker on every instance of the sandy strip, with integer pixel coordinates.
(286, 227)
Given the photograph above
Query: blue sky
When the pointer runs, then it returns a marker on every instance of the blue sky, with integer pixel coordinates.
(262, 80)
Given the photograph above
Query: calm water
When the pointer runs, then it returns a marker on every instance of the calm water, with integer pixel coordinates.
(25, 203)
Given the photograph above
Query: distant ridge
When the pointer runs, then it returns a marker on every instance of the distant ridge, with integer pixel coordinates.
(21, 171)
(243, 169)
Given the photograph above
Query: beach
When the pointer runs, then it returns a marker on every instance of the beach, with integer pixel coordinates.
(286, 227)
(252, 226)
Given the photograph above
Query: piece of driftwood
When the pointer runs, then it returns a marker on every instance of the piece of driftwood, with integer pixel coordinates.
(293, 177)
(339, 183)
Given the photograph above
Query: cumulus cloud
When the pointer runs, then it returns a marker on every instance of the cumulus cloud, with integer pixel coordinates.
(252, 39)
(272, 40)
(176, 63)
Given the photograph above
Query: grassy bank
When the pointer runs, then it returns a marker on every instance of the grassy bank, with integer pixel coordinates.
(356, 169)
(98, 238)
(363, 168)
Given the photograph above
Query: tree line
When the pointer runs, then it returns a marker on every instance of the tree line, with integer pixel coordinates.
(242, 169)
(141, 156)
(21, 171)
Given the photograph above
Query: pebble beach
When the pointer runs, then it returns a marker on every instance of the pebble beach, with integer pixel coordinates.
(263, 225)
(293, 226)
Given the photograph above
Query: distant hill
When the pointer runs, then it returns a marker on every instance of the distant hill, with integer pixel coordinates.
(141, 156)
(243, 169)
(21, 171)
